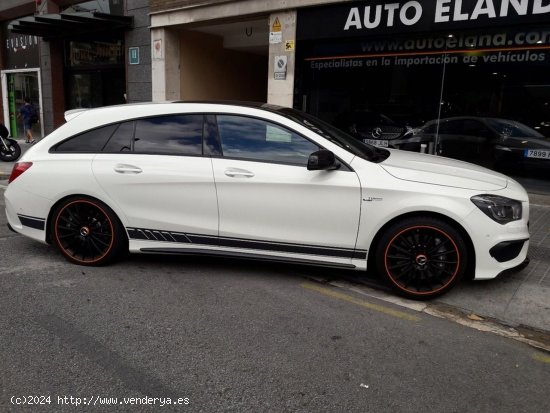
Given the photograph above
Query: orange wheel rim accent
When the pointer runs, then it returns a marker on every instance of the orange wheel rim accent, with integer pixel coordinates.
(422, 260)
(84, 232)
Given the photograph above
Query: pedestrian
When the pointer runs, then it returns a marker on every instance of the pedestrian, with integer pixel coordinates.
(30, 116)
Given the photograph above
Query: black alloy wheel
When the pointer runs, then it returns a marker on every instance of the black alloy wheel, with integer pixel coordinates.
(87, 232)
(421, 257)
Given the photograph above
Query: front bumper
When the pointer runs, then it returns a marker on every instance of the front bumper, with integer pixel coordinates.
(507, 250)
(520, 267)
(497, 247)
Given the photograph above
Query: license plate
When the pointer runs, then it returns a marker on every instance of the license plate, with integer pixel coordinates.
(537, 153)
(377, 142)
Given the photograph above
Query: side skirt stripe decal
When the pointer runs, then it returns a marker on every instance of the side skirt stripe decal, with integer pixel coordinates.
(168, 236)
(192, 251)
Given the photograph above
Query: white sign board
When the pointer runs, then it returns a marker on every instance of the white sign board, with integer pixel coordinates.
(275, 37)
(279, 67)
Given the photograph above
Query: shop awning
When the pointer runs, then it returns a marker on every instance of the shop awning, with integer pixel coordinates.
(52, 26)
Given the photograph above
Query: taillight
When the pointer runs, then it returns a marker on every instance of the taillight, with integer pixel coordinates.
(18, 169)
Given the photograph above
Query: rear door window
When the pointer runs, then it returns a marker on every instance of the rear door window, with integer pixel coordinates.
(169, 135)
(121, 141)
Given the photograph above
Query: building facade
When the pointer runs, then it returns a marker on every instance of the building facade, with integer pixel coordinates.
(440, 69)
(66, 54)
(460, 74)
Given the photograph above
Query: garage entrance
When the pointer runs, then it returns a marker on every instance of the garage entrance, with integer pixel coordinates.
(225, 61)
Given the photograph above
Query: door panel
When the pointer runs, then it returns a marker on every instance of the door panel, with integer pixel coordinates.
(161, 192)
(284, 203)
(268, 200)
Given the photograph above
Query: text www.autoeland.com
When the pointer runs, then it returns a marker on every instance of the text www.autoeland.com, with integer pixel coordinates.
(448, 44)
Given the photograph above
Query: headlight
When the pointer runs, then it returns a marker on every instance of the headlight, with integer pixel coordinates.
(498, 208)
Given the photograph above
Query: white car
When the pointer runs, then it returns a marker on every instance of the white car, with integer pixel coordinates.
(263, 182)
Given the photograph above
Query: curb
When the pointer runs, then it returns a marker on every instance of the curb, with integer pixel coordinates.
(536, 338)
(539, 199)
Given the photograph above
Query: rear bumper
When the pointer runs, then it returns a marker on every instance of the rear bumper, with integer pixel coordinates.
(29, 219)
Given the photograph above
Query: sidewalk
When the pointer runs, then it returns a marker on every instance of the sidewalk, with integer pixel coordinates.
(520, 298)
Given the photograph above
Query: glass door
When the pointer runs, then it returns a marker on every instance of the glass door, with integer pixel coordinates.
(20, 85)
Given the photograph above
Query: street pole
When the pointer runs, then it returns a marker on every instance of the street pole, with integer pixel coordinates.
(436, 143)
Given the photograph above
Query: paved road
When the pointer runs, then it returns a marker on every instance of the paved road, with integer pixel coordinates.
(238, 336)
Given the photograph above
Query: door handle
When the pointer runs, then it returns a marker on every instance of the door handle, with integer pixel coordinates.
(236, 173)
(127, 169)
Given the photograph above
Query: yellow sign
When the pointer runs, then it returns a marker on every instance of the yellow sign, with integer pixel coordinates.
(289, 45)
(276, 26)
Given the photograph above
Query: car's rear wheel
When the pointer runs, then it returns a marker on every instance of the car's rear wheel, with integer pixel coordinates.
(87, 232)
(421, 257)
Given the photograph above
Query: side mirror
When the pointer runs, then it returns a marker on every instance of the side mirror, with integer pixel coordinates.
(322, 160)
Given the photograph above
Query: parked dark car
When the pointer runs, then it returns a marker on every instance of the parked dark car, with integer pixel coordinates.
(371, 127)
(492, 142)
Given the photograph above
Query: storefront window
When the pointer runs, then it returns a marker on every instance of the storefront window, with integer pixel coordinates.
(20, 75)
(95, 73)
(94, 64)
(479, 95)
(95, 88)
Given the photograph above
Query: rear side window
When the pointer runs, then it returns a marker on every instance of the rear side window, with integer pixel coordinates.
(88, 142)
(121, 141)
(169, 135)
(165, 135)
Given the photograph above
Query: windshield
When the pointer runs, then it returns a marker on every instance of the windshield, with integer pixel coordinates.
(335, 135)
(512, 128)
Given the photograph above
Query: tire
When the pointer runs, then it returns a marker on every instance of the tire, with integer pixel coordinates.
(12, 153)
(421, 257)
(87, 232)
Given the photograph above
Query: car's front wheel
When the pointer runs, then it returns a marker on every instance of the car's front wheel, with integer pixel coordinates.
(87, 232)
(421, 257)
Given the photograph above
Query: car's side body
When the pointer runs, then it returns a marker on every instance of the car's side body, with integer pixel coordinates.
(223, 203)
